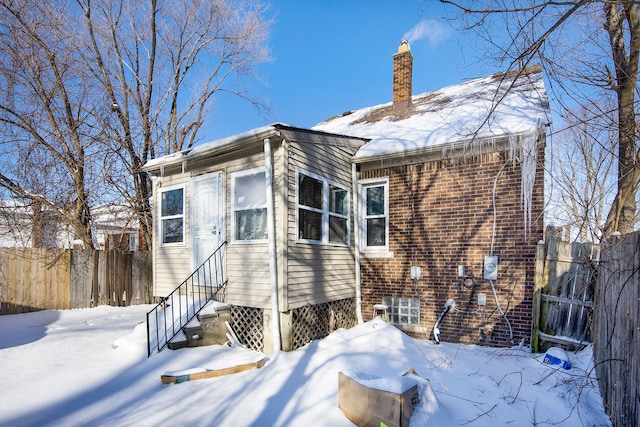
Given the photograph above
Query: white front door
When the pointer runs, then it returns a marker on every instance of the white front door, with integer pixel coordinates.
(207, 216)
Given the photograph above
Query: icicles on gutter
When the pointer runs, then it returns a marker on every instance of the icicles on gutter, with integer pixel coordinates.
(524, 148)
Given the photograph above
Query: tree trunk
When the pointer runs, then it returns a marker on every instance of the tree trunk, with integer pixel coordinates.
(622, 216)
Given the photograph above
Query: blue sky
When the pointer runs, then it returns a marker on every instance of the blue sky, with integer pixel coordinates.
(332, 56)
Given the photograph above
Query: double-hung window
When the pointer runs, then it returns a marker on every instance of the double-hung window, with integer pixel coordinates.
(172, 216)
(323, 210)
(249, 205)
(375, 214)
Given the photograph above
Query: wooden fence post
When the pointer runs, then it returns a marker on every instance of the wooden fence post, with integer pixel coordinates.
(82, 278)
(538, 284)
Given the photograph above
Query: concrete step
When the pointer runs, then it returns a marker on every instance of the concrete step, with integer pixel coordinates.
(208, 328)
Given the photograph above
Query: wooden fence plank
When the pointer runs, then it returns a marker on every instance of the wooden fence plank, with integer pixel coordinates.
(616, 338)
(142, 273)
(11, 277)
(564, 310)
(40, 279)
(19, 280)
(4, 283)
(64, 278)
(81, 278)
(103, 288)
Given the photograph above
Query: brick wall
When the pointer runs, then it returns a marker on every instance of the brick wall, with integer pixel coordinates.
(441, 216)
(402, 79)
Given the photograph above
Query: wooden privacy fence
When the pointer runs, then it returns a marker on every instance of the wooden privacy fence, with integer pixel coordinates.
(616, 332)
(563, 293)
(50, 279)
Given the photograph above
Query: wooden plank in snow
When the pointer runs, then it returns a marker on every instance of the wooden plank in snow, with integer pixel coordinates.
(191, 375)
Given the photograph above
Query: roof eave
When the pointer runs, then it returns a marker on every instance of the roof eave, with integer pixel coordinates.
(452, 150)
(233, 145)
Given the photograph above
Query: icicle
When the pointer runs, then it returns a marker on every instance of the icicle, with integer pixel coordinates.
(524, 149)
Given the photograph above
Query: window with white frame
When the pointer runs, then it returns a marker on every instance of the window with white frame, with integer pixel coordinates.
(375, 214)
(323, 210)
(403, 311)
(172, 216)
(249, 205)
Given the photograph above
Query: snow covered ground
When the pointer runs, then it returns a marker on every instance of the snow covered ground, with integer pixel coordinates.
(89, 368)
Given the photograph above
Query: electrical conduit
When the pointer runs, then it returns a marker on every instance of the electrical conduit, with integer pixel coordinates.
(493, 237)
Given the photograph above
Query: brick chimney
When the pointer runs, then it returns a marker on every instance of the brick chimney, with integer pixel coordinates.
(402, 76)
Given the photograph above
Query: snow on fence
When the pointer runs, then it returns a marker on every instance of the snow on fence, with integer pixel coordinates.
(616, 331)
(49, 279)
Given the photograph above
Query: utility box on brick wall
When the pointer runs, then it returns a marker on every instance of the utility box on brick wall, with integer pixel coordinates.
(371, 401)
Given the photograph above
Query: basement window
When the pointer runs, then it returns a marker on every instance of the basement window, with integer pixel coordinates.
(403, 311)
(172, 216)
(323, 210)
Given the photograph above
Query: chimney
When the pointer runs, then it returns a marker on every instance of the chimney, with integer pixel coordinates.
(402, 76)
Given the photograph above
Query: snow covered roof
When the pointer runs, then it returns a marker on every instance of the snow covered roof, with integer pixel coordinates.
(502, 105)
(208, 147)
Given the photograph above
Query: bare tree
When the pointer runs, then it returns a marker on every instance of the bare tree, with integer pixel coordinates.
(128, 80)
(582, 180)
(160, 65)
(590, 50)
(43, 111)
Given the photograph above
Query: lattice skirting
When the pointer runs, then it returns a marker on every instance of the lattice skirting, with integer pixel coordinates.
(308, 323)
(248, 325)
(317, 321)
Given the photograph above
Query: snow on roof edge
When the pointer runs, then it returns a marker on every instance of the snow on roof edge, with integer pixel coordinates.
(482, 109)
(196, 150)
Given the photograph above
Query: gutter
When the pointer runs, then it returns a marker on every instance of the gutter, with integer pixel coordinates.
(273, 272)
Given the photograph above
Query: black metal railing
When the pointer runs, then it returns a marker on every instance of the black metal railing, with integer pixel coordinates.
(176, 310)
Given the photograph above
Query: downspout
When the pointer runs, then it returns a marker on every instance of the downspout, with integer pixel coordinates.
(356, 233)
(273, 273)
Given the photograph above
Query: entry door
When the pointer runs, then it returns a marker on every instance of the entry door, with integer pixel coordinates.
(207, 216)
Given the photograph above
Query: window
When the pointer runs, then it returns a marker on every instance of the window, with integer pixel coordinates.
(403, 311)
(249, 205)
(172, 216)
(323, 210)
(133, 242)
(375, 214)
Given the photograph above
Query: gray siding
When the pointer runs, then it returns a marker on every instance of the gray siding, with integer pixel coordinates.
(318, 273)
(247, 263)
(171, 263)
(307, 273)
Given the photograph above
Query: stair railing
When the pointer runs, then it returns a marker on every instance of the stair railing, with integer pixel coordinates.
(177, 309)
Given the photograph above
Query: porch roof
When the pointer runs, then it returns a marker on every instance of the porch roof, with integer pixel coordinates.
(210, 148)
(240, 140)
